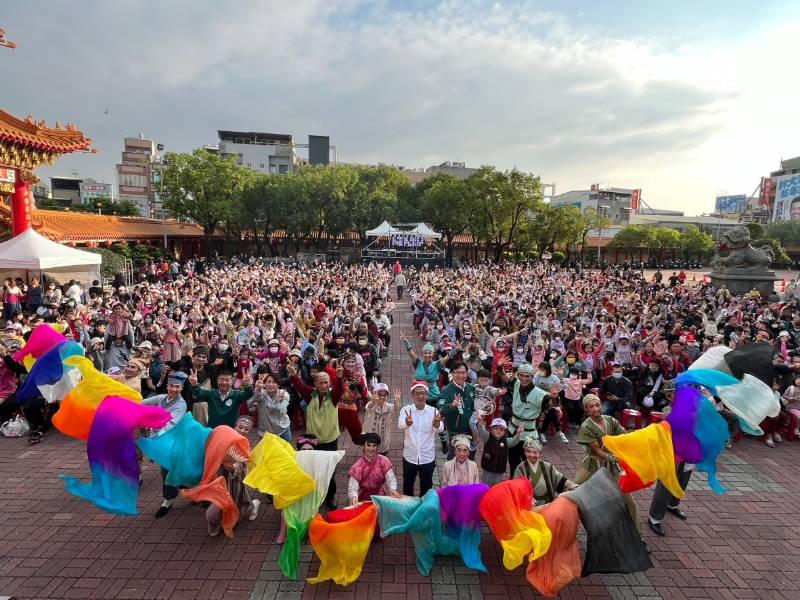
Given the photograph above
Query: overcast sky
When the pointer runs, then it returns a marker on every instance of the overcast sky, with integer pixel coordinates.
(683, 99)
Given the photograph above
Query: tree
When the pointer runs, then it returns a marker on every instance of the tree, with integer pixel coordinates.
(632, 237)
(781, 258)
(553, 225)
(756, 230)
(504, 200)
(448, 205)
(664, 238)
(203, 187)
(592, 220)
(107, 206)
(374, 196)
(786, 232)
(696, 242)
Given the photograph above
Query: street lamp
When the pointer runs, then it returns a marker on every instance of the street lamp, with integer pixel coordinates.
(160, 148)
(603, 212)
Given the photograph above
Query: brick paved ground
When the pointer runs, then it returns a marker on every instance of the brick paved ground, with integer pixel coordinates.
(52, 545)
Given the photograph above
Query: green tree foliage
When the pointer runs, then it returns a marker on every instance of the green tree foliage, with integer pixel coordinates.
(372, 196)
(696, 243)
(112, 263)
(504, 200)
(786, 232)
(757, 231)
(781, 258)
(448, 205)
(632, 237)
(203, 187)
(556, 225)
(106, 206)
(592, 221)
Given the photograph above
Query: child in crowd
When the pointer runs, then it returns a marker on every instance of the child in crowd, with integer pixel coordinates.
(496, 443)
(484, 394)
(378, 415)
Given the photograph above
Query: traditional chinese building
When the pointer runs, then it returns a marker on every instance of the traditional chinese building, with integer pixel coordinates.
(24, 146)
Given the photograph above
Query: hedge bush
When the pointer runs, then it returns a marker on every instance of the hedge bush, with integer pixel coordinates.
(112, 263)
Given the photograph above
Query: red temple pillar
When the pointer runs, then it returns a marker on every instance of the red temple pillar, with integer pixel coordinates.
(20, 206)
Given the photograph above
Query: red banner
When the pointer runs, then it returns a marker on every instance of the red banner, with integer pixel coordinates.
(635, 200)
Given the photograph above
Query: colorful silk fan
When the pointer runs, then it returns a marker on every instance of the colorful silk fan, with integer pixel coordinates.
(341, 542)
(508, 509)
(112, 454)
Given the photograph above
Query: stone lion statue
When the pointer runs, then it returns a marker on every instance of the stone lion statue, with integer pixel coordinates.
(735, 252)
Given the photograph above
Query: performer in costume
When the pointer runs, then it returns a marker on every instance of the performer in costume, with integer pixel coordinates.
(372, 474)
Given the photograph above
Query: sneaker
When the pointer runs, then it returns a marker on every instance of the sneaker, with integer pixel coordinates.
(562, 437)
(542, 438)
(254, 509)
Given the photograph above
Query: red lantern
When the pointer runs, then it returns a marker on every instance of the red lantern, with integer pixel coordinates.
(71, 244)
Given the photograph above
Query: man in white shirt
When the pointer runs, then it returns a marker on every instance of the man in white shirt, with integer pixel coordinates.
(74, 291)
(420, 425)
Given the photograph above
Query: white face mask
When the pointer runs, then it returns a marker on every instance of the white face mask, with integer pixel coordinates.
(617, 375)
(223, 347)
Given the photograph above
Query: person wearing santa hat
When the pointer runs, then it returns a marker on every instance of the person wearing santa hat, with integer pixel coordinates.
(420, 424)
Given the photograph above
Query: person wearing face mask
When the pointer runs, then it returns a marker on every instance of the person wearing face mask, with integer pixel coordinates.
(617, 391)
(369, 355)
(564, 365)
(573, 395)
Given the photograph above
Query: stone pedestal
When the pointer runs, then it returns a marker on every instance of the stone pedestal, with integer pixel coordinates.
(741, 281)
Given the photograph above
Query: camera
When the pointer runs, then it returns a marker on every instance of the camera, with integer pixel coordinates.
(354, 387)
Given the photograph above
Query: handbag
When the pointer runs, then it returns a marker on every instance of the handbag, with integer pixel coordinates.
(200, 412)
(16, 427)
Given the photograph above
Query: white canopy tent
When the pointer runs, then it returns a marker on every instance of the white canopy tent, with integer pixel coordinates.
(382, 230)
(30, 254)
(425, 231)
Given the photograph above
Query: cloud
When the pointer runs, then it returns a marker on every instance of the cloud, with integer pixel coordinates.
(404, 83)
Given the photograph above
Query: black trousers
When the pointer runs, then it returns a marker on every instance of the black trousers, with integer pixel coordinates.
(515, 454)
(330, 447)
(40, 414)
(662, 498)
(550, 418)
(574, 411)
(170, 492)
(410, 471)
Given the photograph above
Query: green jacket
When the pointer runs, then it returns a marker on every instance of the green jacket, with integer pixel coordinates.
(219, 412)
(454, 421)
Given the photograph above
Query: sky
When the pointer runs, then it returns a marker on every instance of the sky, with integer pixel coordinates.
(683, 99)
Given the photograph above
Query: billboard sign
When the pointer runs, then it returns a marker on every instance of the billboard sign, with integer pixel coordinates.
(730, 204)
(635, 200)
(787, 198)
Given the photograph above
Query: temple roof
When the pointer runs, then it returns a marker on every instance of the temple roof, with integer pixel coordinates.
(39, 136)
(63, 226)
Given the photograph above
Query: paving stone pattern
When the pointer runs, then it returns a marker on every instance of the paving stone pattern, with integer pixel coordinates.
(52, 545)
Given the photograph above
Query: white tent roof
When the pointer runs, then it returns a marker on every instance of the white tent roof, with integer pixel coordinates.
(32, 252)
(425, 231)
(382, 230)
